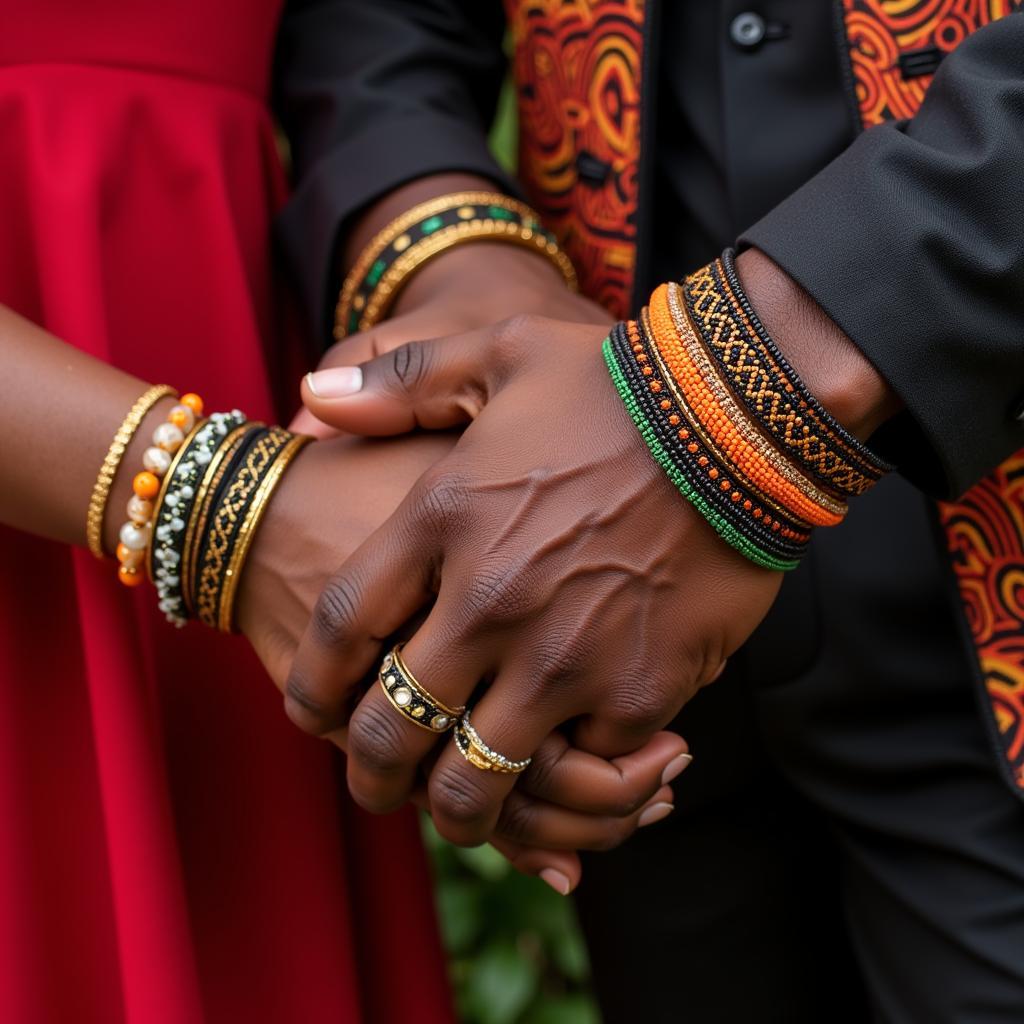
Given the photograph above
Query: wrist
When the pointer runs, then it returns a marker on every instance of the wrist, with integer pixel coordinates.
(834, 370)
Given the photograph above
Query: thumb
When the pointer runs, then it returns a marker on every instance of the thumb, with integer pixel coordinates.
(434, 384)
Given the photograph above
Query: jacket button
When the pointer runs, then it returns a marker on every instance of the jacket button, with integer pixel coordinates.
(747, 30)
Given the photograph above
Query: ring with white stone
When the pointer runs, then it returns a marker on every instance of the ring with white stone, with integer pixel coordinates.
(480, 755)
(411, 699)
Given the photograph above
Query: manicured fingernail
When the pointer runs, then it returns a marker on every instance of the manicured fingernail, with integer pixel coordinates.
(556, 880)
(337, 382)
(654, 813)
(675, 767)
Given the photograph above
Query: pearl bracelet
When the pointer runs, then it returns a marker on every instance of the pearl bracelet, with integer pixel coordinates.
(174, 509)
(136, 534)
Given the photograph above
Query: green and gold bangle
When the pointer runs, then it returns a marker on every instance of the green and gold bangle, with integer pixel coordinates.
(405, 245)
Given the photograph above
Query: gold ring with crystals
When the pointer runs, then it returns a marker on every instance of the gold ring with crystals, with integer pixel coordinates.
(481, 756)
(411, 699)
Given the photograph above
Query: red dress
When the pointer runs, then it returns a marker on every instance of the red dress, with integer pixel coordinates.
(171, 848)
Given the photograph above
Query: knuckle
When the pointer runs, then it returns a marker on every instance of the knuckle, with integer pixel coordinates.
(334, 614)
(310, 708)
(510, 340)
(493, 596)
(375, 738)
(641, 706)
(459, 803)
(442, 499)
(409, 364)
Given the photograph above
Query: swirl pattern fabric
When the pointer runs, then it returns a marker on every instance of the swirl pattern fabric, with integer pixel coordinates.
(985, 529)
(879, 32)
(577, 70)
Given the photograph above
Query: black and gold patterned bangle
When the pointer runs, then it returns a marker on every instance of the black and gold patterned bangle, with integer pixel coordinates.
(236, 491)
(250, 524)
(400, 249)
(869, 463)
(781, 405)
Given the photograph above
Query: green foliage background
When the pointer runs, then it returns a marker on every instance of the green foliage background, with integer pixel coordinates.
(514, 945)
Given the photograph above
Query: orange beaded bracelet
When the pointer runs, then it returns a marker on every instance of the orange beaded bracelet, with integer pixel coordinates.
(135, 535)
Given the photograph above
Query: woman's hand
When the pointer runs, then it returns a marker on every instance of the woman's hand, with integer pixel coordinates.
(566, 567)
(333, 497)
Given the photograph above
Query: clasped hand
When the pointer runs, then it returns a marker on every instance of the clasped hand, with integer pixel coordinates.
(558, 564)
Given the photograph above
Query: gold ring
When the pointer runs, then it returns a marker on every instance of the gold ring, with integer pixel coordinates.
(480, 755)
(411, 699)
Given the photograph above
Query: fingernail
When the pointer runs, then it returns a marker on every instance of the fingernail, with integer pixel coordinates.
(675, 767)
(337, 382)
(556, 880)
(654, 813)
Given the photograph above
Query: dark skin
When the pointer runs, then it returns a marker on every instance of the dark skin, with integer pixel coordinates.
(61, 410)
(563, 563)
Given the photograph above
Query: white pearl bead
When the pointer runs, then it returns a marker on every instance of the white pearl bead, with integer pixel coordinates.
(177, 525)
(168, 437)
(171, 500)
(203, 457)
(140, 511)
(156, 460)
(163, 532)
(135, 538)
(187, 492)
(187, 414)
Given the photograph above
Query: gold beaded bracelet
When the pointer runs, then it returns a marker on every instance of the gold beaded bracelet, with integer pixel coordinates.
(112, 462)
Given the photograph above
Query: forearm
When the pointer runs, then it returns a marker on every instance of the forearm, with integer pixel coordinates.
(60, 411)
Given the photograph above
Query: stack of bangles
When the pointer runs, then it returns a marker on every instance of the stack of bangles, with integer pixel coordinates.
(196, 503)
(731, 423)
(417, 705)
(405, 245)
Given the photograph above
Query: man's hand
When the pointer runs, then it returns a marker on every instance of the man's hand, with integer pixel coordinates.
(330, 501)
(566, 569)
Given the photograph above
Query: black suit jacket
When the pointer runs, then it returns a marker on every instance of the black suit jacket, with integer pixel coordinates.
(912, 239)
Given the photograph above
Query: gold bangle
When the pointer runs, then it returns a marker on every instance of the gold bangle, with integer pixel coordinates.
(409, 263)
(391, 233)
(108, 471)
(246, 532)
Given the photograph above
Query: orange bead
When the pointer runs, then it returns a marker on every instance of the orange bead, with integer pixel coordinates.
(193, 401)
(130, 577)
(713, 473)
(655, 385)
(648, 370)
(146, 484)
(673, 419)
(666, 404)
(180, 419)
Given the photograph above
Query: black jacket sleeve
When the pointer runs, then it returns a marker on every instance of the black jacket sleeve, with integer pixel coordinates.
(373, 94)
(913, 242)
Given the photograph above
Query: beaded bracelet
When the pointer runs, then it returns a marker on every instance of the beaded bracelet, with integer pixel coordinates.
(772, 542)
(731, 423)
(135, 536)
(402, 247)
(771, 391)
(112, 462)
(729, 429)
(174, 510)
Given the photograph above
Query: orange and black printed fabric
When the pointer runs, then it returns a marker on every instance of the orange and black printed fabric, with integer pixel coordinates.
(577, 69)
(985, 529)
(892, 41)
